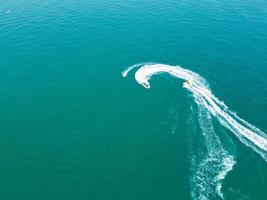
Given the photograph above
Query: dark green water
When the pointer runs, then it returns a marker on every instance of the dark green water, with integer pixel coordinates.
(72, 128)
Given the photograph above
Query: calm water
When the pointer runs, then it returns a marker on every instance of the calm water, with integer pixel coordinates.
(72, 128)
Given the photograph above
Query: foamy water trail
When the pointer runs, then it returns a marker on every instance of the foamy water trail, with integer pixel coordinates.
(212, 169)
(209, 172)
(125, 72)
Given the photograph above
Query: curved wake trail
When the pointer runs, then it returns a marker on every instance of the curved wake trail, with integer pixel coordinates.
(212, 169)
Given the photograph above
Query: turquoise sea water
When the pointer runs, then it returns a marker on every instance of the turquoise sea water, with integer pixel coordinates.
(71, 127)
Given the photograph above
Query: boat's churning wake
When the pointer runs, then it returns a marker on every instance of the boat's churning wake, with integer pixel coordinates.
(209, 172)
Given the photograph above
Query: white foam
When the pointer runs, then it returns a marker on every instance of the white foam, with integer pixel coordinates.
(228, 164)
(126, 71)
(211, 170)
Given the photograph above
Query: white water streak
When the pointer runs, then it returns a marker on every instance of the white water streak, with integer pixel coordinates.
(125, 72)
(207, 176)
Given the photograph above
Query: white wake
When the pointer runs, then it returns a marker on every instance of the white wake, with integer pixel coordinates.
(217, 163)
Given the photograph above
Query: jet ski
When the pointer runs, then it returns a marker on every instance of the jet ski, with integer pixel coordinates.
(187, 83)
(146, 85)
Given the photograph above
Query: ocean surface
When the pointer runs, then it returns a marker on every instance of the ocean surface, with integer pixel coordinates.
(187, 121)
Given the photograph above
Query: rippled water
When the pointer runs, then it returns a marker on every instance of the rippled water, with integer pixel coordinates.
(71, 127)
